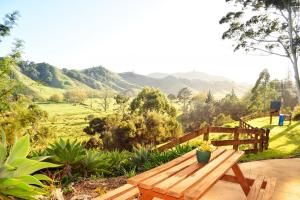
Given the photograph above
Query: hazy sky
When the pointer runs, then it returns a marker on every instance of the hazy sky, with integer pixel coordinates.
(143, 36)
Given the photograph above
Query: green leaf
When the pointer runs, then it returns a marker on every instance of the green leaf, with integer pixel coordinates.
(31, 180)
(3, 147)
(41, 158)
(27, 166)
(19, 150)
(42, 177)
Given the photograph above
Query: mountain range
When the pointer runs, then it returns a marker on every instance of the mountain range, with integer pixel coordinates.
(43, 80)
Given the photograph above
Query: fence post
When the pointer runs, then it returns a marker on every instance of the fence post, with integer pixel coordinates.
(206, 134)
(236, 138)
(256, 138)
(261, 144)
(267, 139)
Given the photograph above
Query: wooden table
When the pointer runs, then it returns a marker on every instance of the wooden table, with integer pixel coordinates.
(185, 178)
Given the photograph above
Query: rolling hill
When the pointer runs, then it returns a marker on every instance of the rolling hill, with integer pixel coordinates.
(172, 84)
(43, 80)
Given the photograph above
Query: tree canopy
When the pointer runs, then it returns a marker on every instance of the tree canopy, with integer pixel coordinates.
(268, 26)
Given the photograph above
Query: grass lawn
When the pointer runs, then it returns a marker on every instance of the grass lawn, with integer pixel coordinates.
(284, 140)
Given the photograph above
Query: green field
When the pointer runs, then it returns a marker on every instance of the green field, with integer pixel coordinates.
(284, 140)
(68, 121)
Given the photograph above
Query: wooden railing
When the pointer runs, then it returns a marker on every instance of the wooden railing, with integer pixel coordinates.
(259, 138)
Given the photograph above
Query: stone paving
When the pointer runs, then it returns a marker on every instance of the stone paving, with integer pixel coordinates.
(287, 172)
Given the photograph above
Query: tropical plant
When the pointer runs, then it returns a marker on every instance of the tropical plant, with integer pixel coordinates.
(18, 176)
(95, 163)
(68, 154)
(140, 156)
(119, 162)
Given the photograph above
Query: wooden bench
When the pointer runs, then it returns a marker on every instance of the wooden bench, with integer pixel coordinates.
(268, 184)
(124, 192)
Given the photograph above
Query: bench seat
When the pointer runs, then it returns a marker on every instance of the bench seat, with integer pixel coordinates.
(261, 182)
(124, 192)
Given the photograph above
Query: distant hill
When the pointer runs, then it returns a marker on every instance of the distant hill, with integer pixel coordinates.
(172, 84)
(191, 75)
(43, 80)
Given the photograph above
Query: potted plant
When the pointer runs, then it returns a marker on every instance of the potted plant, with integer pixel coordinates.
(203, 152)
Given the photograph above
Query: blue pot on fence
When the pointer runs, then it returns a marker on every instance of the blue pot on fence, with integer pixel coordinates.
(203, 156)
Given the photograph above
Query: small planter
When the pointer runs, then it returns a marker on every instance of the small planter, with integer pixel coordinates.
(203, 156)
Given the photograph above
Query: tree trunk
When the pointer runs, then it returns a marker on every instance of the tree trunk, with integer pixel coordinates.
(293, 55)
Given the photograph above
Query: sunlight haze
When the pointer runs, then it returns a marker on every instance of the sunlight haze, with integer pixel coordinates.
(134, 35)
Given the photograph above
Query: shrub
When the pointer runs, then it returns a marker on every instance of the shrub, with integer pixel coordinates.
(296, 113)
(75, 96)
(124, 133)
(221, 119)
(16, 171)
(57, 98)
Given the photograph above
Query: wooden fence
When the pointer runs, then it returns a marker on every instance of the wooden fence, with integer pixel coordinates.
(246, 134)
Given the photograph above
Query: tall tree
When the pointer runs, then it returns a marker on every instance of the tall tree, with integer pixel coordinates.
(7, 82)
(184, 95)
(209, 98)
(267, 26)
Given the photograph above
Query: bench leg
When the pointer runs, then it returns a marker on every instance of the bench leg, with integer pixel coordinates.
(241, 179)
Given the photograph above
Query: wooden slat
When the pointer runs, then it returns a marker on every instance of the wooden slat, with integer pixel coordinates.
(129, 195)
(256, 187)
(221, 130)
(186, 137)
(234, 142)
(178, 189)
(270, 188)
(150, 182)
(163, 186)
(208, 181)
(138, 178)
(117, 192)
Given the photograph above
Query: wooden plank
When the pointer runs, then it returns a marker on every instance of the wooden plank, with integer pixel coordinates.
(163, 186)
(178, 189)
(270, 188)
(233, 179)
(208, 181)
(255, 189)
(140, 177)
(234, 142)
(117, 192)
(129, 195)
(151, 181)
(181, 139)
(241, 179)
(221, 130)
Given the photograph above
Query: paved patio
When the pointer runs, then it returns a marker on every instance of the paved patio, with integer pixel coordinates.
(287, 172)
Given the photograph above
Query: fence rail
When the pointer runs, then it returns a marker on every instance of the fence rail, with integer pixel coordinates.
(259, 138)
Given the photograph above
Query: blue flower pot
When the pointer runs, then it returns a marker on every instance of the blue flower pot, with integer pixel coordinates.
(203, 156)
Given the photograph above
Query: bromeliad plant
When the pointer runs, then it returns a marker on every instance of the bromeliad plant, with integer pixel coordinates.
(68, 154)
(18, 178)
